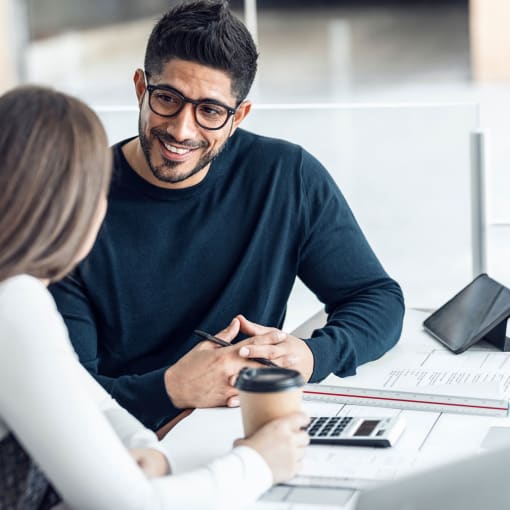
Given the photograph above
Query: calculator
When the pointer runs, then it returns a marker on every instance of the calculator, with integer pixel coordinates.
(352, 430)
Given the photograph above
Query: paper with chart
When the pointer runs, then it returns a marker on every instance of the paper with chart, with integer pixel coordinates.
(476, 382)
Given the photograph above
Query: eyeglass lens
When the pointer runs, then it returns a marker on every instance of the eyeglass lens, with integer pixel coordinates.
(208, 115)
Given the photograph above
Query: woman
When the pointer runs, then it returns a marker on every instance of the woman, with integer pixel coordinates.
(63, 440)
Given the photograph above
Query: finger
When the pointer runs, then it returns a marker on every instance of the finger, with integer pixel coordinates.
(239, 441)
(274, 336)
(233, 401)
(270, 351)
(287, 361)
(252, 328)
(297, 421)
(239, 363)
(231, 331)
(302, 439)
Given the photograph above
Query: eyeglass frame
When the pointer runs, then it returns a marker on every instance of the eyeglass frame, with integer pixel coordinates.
(196, 103)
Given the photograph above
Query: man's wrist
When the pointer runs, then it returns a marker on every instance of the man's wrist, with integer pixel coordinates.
(310, 361)
(170, 387)
(307, 342)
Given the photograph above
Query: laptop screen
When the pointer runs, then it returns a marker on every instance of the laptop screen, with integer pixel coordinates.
(474, 483)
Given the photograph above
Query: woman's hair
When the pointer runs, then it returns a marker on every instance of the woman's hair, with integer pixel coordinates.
(205, 32)
(54, 166)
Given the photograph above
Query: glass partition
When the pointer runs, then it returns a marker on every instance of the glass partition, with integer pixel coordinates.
(405, 171)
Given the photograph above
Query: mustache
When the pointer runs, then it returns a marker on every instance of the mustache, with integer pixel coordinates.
(168, 138)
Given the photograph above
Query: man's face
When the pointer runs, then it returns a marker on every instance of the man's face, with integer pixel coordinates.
(177, 150)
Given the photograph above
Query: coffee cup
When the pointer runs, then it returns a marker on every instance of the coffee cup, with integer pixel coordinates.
(266, 394)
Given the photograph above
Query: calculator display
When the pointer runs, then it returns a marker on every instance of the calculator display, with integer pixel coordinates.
(366, 428)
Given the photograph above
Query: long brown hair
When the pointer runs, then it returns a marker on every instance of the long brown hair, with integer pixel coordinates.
(54, 165)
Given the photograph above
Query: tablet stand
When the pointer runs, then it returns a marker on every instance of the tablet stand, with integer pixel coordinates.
(497, 336)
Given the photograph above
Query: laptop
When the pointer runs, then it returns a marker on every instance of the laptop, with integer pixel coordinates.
(481, 482)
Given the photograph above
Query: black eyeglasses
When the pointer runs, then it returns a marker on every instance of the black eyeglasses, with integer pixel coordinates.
(168, 102)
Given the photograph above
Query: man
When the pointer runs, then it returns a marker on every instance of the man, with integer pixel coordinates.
(209, 225)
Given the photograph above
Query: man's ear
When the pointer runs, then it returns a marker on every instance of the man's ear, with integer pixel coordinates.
(240, 115)
(140, 85)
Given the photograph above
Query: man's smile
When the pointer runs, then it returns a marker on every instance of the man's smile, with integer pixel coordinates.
(177, 152)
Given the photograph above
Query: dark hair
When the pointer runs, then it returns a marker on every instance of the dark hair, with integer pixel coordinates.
(54, 165)
(208, 33)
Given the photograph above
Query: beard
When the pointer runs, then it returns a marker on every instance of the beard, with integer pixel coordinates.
(164, 171)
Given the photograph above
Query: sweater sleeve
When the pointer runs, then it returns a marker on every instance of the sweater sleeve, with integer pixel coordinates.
(143, 395)
(365, 306)
(55, 416)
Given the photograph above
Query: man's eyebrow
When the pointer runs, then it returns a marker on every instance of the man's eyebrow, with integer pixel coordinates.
(205, 99)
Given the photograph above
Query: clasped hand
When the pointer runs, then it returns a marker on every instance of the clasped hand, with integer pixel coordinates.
(205, 376)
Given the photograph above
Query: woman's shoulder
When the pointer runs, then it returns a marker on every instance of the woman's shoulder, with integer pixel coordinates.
(27, 309)
(20, 282)
(21, 295)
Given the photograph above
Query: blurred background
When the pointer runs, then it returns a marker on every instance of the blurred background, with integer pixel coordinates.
(311, 50)
(406, 83)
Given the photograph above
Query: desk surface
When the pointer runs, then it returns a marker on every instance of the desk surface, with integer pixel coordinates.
(430, 438)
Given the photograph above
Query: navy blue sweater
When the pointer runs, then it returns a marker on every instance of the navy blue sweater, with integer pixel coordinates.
(167, 262)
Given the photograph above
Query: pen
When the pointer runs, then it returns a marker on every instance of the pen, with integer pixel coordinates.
(219, 341)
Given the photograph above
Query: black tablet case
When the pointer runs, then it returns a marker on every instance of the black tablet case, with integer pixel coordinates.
(478, 312)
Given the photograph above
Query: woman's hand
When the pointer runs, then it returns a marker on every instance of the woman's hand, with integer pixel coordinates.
(281, 443)
(152, 462)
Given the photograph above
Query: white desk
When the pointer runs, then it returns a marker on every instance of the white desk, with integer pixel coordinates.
(429, 439)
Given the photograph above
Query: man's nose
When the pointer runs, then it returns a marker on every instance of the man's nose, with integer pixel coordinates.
(183, 126)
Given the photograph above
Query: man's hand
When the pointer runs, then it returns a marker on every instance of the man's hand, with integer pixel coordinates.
(288, 351)
(204, 377)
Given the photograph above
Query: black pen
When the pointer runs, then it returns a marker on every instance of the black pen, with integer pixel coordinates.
(219, 341)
